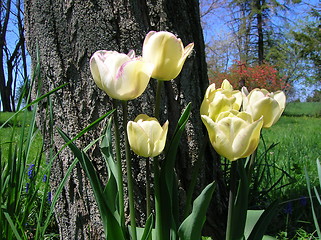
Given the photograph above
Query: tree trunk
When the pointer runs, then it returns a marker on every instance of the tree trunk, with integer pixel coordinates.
(67, 33)
(260, 39)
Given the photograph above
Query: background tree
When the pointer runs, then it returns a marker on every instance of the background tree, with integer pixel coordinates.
(13, 62)
(308, 41)
(67, 34)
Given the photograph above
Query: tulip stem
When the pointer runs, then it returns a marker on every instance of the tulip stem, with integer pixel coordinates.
(230, 227)
(158, 225)
(129, 174)
(160, 85)
(148, 205)
(119, 168)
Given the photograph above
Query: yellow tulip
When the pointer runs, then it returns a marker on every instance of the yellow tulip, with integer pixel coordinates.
(121, 76)
(220, 100)
(260, 102)
(166, 52)
(234, 135)
(146, 136)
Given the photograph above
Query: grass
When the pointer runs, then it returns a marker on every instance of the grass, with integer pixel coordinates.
(312, 109)
(24, 183)
(14, 126)
(296, 144)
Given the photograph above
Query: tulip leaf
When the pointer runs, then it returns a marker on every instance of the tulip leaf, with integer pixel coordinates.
(262, 223)
(148, 228)
(167, 209)
(147, 232)
(191, 228)
(251, 219)
(111, 189)
(111, 226)
(266, 237)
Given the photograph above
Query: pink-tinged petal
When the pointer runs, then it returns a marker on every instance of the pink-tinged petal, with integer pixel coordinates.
(98, 67)
(132, 79)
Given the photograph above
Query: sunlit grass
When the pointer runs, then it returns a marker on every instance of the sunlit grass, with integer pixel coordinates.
(298, 145)
(312, 109)
(15, 126)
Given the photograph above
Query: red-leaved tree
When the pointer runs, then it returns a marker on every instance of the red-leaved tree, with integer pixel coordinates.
(256, 76)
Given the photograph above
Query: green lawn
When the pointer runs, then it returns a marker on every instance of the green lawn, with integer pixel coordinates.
(15, 126)
(298, 145)
(312, 109)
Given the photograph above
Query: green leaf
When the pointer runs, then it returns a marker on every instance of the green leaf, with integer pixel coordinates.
(12, 225)
(111, 226)
(111, 189)
(166, 213)
(262, 223)
(148, 228)
(315, 219)
(266, 237)
(191, 228)
(251, 219)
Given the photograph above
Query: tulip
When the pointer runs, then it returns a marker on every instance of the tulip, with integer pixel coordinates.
(260, 102)
(146, 136)
(220, 100)
(234, 135)
(166, 52)
(121, 76)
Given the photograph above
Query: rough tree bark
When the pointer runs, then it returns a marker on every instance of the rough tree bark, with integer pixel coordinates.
(67, 33)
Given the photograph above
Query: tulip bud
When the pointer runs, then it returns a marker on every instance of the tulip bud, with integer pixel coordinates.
(166, 52)
(260, 102)
(121, 76)
(234, 135)
(146, 136)
(220, 100)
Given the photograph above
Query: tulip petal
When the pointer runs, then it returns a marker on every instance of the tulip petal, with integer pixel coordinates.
(131, 80)
(160, 143)
(233, 136)
(267, 107)
(247, 140)
(138, 139)
(280, 97)
(97, 66)
(226, 85)
(166, 52)
(146, 137)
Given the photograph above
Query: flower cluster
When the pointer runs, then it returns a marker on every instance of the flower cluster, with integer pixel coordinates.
(125, 77)
(233, 119)
(233, 133)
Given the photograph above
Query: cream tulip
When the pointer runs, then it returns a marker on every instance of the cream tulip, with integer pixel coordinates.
(260, 102)
(234, 135)
(166, 52)
(146, 136)
(220, 100)
(121, 76)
